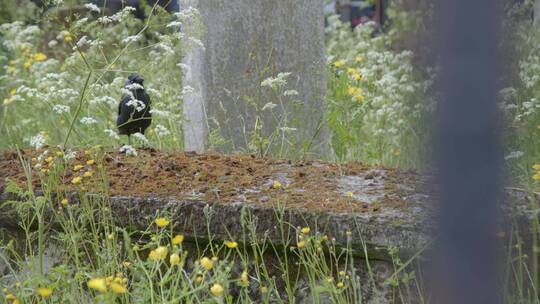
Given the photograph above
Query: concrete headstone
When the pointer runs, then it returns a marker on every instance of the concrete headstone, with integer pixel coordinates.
(246, 42)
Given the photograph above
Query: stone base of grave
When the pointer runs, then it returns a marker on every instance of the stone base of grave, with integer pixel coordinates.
(377, 214)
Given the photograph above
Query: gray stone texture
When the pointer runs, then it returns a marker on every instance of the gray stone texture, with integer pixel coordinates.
(247, 41)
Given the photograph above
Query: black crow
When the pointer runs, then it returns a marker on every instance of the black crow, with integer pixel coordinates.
(134, 109)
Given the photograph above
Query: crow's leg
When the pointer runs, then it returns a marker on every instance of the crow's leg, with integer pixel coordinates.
(129, 139)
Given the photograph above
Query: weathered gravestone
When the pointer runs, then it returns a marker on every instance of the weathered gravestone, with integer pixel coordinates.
(246, 42)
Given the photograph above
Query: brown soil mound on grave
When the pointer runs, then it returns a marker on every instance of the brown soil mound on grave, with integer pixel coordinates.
(216, 178)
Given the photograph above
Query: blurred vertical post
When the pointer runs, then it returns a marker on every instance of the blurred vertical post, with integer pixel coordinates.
(465, 258)
(536, 12)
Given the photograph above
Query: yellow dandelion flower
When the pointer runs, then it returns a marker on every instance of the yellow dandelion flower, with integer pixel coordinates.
(276, 185)
(231, 244)
(64, 202)
(158, 254)
(358, 59)
(357, 76)
(88, 174)
(341, 273)
(118, 288)
(199, 279)
(110, 236)
(536, 177)
(174, 259)
(301, 244)
(305, 230)
(27, 64)
(78, 167)
(162, 222)
(340, 285)
(215, 259)
(12, 92)
(177, 239)
(264, 289)
(98, 284)
(44, 292)
(10, 296)
(339, 63)
(7, 101)
(359, 98)
(40, 57)
(349, 194)
(76, 180)
(244, 277)
(90, 162)
(126, 264)
(536, 167)
(49, 159)
(352, 91)
(67, 37)
(207, 263)
(351, 71)
(59, 153)
(217, 290)
(348, 233)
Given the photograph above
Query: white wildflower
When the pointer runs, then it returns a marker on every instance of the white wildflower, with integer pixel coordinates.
(92, 7)
(88, 120)
(137, 104)
(513, 155)
(274, 82)
(154, 92)
(134, 86)
(131, 39)
(61, 109)
(52, 43)
(269, 106)
(112, 134)
(174, 24)
(290, 93)
(141, 137)
(161, 113)
(105, 20)
(81, 22)
(129, 150)
(37, 141)
(186, 90)
(83, 41)
(287, 129)
(70, 154)
(162, 131)
(184, 67)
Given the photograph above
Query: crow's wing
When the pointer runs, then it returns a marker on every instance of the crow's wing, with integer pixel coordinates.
(124, 100)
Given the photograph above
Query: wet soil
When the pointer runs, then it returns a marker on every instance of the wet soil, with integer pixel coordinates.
(217, 178)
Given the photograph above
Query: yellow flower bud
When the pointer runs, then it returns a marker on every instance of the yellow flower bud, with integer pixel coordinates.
(174, 259)
(217, 290)
(98, 284)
